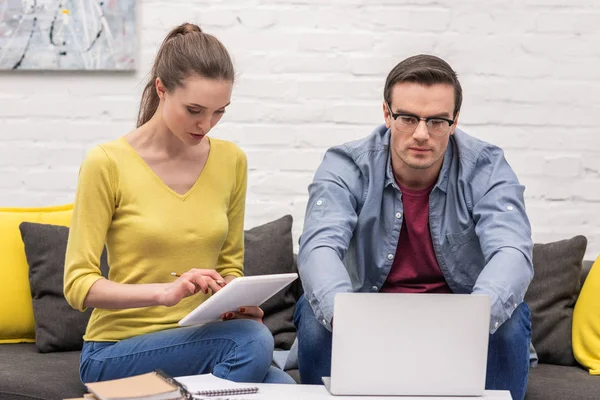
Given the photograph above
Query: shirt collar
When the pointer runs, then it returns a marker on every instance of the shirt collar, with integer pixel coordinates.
(389, 173)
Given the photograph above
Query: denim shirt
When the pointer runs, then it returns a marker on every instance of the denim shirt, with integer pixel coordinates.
(479, 228)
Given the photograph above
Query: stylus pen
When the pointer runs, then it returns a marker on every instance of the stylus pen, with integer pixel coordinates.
(219, 282)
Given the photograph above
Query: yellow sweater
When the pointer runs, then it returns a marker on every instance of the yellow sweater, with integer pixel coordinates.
(150, 231)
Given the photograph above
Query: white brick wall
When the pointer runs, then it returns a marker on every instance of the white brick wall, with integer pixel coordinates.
(311, 75)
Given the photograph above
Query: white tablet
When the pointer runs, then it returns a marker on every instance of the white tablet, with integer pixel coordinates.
(243, 291)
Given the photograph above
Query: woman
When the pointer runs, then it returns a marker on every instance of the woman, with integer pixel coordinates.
(165, 198)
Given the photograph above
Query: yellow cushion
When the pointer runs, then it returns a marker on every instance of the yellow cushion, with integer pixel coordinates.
(586, 322)
(16, 310)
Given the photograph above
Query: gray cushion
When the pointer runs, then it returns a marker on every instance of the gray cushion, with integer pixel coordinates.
(26, 374)
(554, 382)
(58, 327)
(270, 250)
(551, 297)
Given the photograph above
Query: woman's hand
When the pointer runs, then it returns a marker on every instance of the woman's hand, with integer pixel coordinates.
(188, 284)
(250, 312)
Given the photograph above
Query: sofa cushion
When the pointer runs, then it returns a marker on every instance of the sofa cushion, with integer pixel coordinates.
(586, 322)
(551, 297)
(26, 374)
(58, 327)
(554, 382)
(269, 249)
(16, 310)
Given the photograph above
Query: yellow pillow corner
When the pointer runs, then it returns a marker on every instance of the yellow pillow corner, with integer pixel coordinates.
(16, 311)
(586, 322)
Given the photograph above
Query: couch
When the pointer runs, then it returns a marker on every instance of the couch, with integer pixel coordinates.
(27, 373)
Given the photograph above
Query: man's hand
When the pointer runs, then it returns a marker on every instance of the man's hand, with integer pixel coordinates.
(250, 312)
(188, 284)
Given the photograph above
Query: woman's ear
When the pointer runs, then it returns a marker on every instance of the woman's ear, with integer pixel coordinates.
(160, 89)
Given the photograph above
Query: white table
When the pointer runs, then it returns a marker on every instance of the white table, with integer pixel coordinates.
(319, 392)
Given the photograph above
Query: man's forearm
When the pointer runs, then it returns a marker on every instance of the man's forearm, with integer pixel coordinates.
(505, 279)
(323, 275)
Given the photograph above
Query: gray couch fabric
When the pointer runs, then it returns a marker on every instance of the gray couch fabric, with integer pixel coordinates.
(26, 374)
(558, 382)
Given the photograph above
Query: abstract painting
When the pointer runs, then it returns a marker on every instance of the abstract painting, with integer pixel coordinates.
(67, 35)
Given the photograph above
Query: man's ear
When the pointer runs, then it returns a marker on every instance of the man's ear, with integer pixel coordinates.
(160, 89)
(386, 115)
(455, 123)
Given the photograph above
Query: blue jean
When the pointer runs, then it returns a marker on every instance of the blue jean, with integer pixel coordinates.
(508, 351)
(238, 350)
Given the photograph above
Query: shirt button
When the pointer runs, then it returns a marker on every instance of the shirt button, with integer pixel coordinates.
(374, 288)
(496, 325)
(324, 322)
(319, 202)
(516, 305)
(390, 256)
(398, 215)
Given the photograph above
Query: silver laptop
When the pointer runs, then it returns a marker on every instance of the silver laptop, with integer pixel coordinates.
(409, 344)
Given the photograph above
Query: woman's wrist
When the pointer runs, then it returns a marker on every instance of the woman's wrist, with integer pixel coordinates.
(158, 294)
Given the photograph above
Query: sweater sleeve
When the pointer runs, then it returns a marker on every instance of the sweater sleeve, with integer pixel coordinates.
(92, 215)
(231, 258)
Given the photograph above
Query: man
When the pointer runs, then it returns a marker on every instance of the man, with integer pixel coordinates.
(418, 206)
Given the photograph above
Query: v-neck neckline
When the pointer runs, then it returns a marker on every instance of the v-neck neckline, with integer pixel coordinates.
(158, 178)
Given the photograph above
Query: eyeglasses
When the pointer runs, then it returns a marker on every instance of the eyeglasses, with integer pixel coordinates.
(408, 123)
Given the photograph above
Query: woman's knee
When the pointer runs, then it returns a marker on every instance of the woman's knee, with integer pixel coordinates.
(256, 334)
(275, 375)
(254, 348)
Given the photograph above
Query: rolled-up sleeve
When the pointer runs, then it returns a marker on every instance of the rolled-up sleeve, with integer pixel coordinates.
(504, 233)
(331, 217)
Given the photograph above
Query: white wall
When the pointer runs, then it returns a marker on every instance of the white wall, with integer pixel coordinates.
(311, 75)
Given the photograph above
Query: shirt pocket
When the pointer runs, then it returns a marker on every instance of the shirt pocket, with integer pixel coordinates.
(458, 239)
(466, 256)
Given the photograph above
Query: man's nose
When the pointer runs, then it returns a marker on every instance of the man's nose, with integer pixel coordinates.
(421, 132)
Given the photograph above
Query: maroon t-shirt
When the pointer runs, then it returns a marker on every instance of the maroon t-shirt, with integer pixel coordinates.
(415, 268)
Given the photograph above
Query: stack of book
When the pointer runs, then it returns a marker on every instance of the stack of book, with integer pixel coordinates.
(158, 385)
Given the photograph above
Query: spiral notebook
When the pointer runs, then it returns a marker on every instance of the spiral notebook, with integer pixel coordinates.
(208, 385)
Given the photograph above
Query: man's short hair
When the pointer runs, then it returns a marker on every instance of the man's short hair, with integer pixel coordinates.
(426, 70)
